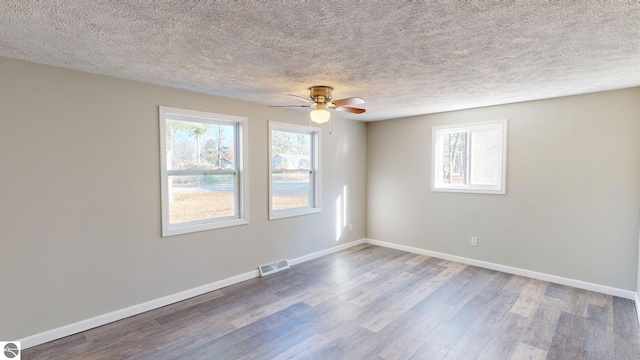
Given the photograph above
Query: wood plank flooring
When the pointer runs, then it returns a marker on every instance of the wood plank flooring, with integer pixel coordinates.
(370, 302)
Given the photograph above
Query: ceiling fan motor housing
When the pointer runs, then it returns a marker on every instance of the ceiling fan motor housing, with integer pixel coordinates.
(320, 94)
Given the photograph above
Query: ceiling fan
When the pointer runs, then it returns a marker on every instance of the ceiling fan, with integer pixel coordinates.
(320, 101)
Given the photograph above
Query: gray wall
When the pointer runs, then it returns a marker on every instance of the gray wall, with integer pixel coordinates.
(573, 189)
(80, 195)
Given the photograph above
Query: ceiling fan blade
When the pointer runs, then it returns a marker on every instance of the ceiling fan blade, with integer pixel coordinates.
(350, 109)
(300, 97)
(349, 101)
(291, 106)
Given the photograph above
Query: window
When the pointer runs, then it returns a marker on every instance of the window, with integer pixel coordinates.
(470, 158)
(294, 179)
(203, 170)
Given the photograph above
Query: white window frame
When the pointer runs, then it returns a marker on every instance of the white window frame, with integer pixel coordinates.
(242, 178)
(436, 158)
(316, 136)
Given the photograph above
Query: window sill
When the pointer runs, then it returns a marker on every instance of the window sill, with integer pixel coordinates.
(281, 214)
(191, 228)
(471, 191)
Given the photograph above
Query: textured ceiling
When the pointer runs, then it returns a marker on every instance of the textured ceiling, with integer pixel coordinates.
(403, 58)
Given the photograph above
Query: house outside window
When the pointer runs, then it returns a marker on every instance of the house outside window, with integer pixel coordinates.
(294, 174)
(203, 172)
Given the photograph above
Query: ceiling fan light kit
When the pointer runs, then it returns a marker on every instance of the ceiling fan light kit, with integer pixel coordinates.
(320, 115)
(320, 102)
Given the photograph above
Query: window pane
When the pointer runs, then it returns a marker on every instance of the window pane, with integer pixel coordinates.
(470, 158)
(201, 197)
(455, 158)
(486, 165)
(291, 189)
(194, 145)
(291, 151)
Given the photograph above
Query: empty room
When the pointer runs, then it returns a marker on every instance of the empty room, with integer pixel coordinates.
(319, 180)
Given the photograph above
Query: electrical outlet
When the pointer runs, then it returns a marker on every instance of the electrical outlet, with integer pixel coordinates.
(474, 241)
(350, 227)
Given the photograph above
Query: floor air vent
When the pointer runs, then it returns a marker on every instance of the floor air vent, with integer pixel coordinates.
(274, 267)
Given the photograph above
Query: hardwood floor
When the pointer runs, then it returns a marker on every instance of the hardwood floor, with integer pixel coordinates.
(370, 302)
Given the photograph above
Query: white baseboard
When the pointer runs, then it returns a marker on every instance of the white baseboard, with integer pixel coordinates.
(100, 320)
(627, 294)
(324, 252)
